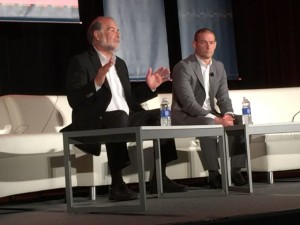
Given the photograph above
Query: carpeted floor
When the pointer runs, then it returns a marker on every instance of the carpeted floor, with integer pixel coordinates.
(277, 204)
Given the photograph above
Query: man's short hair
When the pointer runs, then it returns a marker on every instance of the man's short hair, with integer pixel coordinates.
(203, 30)
(95, 25)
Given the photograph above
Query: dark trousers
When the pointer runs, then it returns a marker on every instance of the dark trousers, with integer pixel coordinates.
(209, 145)
(237, 149)
(117, 152)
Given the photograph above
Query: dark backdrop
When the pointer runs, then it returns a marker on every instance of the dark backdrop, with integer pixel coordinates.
(34, 57)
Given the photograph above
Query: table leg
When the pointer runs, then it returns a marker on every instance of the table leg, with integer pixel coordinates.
(67, 165)
(228, 164)
(141, 172)
(224, 168)
(156, 144)
(249, 170)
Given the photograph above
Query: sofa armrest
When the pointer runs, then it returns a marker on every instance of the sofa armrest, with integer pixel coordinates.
(6, 130)
(31, 143)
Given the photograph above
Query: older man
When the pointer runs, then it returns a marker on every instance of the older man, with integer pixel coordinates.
(100, 94)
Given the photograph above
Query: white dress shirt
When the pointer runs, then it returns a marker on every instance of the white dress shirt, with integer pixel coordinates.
(118, 101)
(205, 69)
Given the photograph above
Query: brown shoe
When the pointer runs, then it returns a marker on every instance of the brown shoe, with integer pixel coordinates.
(121, 192)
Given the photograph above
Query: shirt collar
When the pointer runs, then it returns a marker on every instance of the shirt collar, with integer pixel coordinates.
(203, 64)
(102, 57)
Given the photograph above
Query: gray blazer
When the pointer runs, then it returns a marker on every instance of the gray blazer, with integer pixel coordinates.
(188, 88)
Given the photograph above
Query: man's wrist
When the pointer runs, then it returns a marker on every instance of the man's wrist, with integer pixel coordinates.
(97, 87)
(230, 114)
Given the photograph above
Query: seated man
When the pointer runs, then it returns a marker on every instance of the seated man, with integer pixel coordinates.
(197, 81)
(99, 92)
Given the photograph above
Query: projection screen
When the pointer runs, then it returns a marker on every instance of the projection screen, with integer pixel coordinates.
(55, 11)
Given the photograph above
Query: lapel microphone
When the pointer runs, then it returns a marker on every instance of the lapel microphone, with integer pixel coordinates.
(211, 74)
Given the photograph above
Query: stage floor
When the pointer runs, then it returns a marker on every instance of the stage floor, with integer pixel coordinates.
(278, 203)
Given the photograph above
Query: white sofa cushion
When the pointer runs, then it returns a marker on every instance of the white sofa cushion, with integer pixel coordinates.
(273, 105)
(31, 143)
(38, 114)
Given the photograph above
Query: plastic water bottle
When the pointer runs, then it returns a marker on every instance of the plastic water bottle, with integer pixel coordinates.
(246, 110)
(165, 113)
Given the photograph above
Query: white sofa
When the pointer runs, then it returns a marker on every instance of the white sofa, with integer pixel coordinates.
(272, 152)
(31, 147)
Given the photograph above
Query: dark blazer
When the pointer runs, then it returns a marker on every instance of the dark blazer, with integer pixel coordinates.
(87, 104)
(188, 88)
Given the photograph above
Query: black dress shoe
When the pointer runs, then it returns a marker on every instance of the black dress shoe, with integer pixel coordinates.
(121, 192)
(169, 186)
(238, 179)
(215, 182)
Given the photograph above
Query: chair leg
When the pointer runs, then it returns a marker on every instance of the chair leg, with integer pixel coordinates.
(93, 193)
(270, 177)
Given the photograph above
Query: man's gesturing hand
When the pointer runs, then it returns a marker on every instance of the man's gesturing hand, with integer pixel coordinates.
(101, 74)
(157, 78)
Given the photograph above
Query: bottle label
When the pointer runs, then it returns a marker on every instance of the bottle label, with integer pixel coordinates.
(165, 113)
(246, 111)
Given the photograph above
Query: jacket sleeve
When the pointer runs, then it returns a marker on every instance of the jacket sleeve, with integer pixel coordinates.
(80, 89)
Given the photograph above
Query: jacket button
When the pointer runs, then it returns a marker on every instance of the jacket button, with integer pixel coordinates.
(100, 117)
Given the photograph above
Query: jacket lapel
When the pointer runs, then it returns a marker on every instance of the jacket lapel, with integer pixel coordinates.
(197, 69)
(212, 78)
(212, 84)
